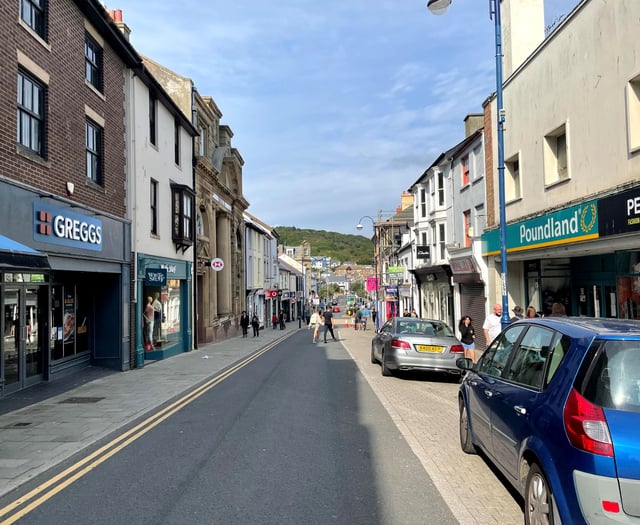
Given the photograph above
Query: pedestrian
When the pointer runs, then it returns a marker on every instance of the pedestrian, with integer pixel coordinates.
(492, 324)
(518, 314)
(405, 313)
(414, 313)
(281, 319)
(531, 312)
(357, 324)
(468, 337)
(374, 315)
(274, 320)
(558, 310)
(244, 323)
(314, 324)
(255, 324)
(328, 323)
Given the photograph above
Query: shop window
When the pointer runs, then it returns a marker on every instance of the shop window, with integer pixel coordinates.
(182, 216)
(70, 320)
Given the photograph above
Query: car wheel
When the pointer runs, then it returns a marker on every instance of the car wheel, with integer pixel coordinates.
(466, 444)
(383, 366)
(373, 356)
(538, 498)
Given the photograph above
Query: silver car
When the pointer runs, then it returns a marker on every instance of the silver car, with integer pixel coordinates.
(410, 343)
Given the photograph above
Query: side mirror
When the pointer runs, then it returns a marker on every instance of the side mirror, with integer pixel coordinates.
(464, 363)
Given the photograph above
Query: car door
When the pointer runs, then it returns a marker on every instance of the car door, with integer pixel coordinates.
(482, 385)
(517, 394)
(381, 338)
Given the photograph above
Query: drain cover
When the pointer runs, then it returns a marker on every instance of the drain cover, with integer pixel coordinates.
(82, 400)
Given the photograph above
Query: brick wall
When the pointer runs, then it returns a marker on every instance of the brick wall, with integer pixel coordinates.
(67, 94)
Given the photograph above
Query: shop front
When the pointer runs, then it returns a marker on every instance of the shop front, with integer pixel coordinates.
(163, 307)
(585, 257)
(64, 289)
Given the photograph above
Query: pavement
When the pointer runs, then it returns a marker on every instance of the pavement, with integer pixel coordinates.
(47, 424)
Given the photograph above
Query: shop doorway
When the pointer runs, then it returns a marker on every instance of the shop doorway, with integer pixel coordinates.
(22, 355)
(598, 300)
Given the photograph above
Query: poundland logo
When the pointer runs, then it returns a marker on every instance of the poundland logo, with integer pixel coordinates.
(59, 226)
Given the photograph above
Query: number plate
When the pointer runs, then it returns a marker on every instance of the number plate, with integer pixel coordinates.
(430, 348)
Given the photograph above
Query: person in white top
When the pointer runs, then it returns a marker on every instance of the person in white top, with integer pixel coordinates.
(314, 324)
(492, 325)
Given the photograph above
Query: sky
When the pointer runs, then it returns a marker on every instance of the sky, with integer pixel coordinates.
(337, 106)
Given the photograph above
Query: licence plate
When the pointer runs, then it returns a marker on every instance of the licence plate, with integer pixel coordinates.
(430, 348)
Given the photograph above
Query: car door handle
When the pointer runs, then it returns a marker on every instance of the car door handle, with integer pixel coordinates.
(488, 393)
(520, 410)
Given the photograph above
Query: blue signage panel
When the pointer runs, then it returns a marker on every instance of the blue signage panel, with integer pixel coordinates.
(577, 223)
(155, 277)
(61, 226)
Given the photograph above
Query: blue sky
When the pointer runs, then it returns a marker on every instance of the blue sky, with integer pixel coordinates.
(337, 106)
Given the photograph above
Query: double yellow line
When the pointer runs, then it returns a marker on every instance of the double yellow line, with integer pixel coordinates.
(33, 499)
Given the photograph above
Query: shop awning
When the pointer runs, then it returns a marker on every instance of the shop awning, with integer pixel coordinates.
(17, 256)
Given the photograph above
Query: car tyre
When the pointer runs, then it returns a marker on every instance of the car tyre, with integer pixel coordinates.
(373, 356)
(538, 498)
(466, 444)
(386, 372)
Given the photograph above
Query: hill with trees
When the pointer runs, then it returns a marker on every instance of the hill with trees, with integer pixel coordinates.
(339, 246)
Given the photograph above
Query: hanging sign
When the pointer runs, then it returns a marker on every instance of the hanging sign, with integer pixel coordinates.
(217, 264)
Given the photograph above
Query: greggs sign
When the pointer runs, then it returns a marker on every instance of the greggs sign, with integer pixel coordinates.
(60, 226)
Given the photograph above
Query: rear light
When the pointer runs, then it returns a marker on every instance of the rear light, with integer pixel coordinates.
(611, 506)
(456, 349)
(586, 425)
(399, 343)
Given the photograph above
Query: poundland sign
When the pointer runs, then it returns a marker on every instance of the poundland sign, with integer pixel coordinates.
(578, 223)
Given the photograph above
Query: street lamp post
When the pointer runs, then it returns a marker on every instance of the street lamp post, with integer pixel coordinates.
(438, 7)
(359, 226)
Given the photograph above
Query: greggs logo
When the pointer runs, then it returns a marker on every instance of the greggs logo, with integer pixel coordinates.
(59, 226)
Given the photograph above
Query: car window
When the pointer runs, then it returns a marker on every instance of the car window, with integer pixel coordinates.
(527, 365)
(496, 356)
(559, 350)
(614, 380)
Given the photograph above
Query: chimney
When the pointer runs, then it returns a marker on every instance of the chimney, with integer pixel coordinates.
(522, 31)
(116, 16)
(472, 123)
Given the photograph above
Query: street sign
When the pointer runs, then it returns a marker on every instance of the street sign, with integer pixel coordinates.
(217, 264)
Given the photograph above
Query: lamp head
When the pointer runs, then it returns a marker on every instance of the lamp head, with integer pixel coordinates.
(438, 7)
(359, 226)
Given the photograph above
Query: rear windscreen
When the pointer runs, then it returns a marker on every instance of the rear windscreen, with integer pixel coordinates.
(614, 379)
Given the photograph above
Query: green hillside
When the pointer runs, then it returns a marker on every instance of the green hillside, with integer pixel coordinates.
(340, 246)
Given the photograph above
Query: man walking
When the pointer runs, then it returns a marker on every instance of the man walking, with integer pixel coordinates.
(328, 323)
(492, 324)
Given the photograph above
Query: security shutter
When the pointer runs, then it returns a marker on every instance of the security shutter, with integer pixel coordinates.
(472, 303)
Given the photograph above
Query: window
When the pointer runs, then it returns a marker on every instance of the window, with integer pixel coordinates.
(556, 166)
(466, 219)
(527, 365)
(152, 120)
(495, 358)
(93, 62)
(153, 201)
(182, 215)
(633, 115)
(93, 136)
(442, 241)
(478, 164)
(176, 140)
(30, 132)
(423, 202)
(465, 170)
(202, 142)
(32, 13)
(512, 178)
(440, 189)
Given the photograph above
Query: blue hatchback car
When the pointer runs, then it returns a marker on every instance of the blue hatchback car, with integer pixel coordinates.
(554, 403)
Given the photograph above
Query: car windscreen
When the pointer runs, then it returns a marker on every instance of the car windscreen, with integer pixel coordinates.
(614, 379)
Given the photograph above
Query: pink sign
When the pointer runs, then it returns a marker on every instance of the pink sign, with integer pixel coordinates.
(372, 284)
